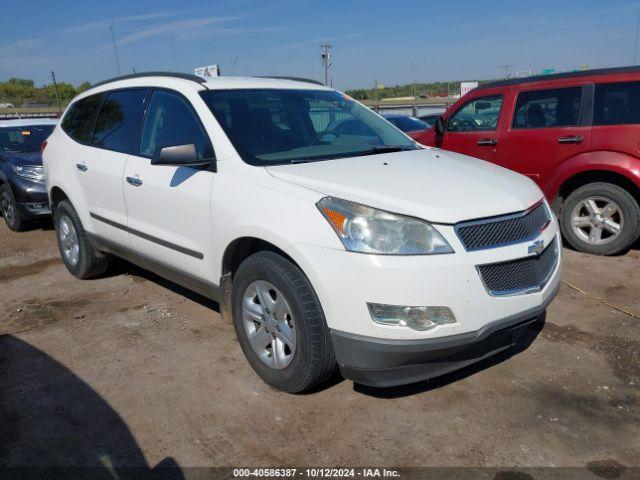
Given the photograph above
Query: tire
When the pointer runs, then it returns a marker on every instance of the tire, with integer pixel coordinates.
(312, 361)
(85, 261)
(608, 198)
(12, 216)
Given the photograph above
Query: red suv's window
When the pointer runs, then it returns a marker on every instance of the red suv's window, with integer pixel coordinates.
(480, 114)
(548, 108)
(617, 103)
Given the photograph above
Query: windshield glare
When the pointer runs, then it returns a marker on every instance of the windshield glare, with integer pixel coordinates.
(24, 139)
(273, 126)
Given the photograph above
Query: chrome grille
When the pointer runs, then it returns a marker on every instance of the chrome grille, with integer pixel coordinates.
(524, 275)
(503, 230)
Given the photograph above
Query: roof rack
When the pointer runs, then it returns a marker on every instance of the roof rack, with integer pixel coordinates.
(295, 79)
(184, 76)
(556, 76)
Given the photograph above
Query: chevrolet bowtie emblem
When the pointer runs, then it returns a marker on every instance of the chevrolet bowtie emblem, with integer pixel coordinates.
(536, 247)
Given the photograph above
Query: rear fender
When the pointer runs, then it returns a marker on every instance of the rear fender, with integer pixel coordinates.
(622, 164)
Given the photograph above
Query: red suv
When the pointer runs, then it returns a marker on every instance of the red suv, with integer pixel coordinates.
(575, 134)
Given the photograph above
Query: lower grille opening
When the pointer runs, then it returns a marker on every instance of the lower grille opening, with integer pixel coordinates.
(524, 275)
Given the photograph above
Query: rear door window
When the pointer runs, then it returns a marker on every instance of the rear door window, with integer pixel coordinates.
(79, 120)
(118, 123)
(480, 114)
(548, 108)
(617, 104)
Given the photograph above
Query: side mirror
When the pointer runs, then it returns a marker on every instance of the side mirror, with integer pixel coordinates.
(180, 156)
(438, 126)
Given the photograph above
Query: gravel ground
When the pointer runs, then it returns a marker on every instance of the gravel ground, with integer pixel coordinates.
(130, 370)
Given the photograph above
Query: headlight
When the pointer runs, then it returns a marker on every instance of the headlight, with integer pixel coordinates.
(368, 230)
(33, 172)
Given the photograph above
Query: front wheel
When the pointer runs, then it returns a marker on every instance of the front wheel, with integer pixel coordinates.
(280, 324)
(12, 216)
(600, 218)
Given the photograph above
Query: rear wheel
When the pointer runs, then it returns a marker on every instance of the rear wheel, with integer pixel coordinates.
(77, 253)
(600, 218)
(280, 324)
(12, 216)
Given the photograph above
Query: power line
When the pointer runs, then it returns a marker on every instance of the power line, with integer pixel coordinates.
(115, 49)
(325, 61)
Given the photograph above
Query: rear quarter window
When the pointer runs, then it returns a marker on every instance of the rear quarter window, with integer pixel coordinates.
(79, 120)
(617, 104)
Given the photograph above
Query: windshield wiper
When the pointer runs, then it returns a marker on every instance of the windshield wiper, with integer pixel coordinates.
(382, 149)
(372, 151)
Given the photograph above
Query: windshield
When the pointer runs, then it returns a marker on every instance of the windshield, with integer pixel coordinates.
(274, 126)
(24, 139)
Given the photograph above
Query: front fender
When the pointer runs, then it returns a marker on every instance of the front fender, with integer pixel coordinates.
(615, 162)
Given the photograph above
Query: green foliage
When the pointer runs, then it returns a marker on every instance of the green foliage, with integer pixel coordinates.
(434, 89)
(23, 91)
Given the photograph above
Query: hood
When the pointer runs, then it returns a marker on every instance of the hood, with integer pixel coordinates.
(26, 158)
(432, 184)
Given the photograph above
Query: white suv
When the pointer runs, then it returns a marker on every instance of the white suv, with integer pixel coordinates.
(328, 236)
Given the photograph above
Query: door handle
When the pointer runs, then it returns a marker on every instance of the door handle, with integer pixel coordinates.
(487, 142)
(82, 167)
(135, 181)
(571, 139)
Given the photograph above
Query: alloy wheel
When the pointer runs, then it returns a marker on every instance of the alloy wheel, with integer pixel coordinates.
(69, 240)
(597, 220)
(8, 209)
(269, 324)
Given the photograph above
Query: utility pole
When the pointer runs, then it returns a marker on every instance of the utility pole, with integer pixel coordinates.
(375, 95)
(635, 45)
(414, 109)
(115, 49)
(55, 86)
(325, 61)
(506, 70)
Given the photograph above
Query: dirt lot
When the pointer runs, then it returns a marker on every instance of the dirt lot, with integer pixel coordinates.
(132, 370)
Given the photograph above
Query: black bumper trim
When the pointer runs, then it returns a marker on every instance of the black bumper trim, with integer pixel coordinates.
(29, 212)
(385, 363)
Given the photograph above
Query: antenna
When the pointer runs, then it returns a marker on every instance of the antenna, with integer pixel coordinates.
(115, 49)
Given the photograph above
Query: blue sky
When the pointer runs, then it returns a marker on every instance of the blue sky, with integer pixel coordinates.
(391, 41)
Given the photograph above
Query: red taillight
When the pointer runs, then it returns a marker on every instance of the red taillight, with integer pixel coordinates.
(43, 146)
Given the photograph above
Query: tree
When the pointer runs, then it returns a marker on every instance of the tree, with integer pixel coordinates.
(22, 90)
(83, 87)
(23, 82)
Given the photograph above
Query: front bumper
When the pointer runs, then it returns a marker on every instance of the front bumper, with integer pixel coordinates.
(384, 355)
(386, 363)
(345, 282)
(31, 197)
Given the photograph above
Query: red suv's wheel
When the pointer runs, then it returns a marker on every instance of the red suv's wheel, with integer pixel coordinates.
(600, 218)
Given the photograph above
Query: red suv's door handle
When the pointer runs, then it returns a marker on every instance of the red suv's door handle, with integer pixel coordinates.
(487, 142)
(571, 139)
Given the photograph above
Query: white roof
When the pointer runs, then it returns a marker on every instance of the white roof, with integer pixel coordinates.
(28, 122)
(212, 83)
(259, 82)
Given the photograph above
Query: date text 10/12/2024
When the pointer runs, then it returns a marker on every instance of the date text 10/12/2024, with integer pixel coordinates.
(285, 473)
